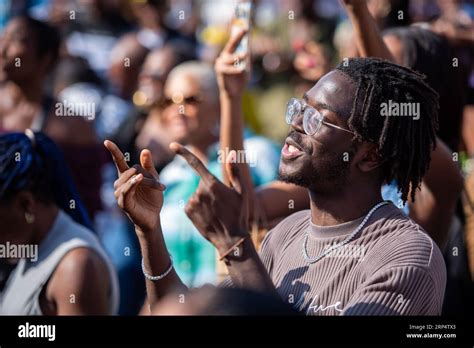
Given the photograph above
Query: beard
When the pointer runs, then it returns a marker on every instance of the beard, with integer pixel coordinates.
(326, 173)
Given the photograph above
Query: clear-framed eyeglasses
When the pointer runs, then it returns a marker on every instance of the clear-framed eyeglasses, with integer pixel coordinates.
(312, 118)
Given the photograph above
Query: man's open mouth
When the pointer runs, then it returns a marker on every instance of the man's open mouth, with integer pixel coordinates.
(291, 149)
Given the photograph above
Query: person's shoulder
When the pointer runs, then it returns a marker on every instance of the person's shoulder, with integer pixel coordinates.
(81, 272)
(402, 242)
(77, 246)
(82, 260)
(423, 249)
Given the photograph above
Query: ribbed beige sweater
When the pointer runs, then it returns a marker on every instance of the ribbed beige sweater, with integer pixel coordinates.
(392, 268)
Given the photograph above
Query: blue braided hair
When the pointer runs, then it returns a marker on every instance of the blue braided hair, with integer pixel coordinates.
(32, 162)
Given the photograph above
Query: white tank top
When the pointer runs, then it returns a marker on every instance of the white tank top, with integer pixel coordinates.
(20, 295)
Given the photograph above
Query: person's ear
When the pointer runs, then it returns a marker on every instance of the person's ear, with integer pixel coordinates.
(25, 202)
(368, 157)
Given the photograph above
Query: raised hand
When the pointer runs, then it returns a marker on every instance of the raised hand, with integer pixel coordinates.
(137, 189)
(219, 212)
(367, 35)
(232, 76)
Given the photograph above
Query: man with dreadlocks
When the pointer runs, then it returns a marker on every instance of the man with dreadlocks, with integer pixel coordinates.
(66, 271)
(352, 253)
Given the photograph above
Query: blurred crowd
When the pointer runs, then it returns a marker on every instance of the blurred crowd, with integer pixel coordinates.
(83, 71)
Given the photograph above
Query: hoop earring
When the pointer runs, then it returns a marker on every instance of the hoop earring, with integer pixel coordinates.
(30, 218)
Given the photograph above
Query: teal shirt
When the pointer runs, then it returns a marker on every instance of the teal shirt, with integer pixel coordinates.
(194, 257)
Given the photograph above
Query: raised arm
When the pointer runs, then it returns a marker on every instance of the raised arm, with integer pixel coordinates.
(279, 199)
(369, 41)
(232, 77)
(140, 195)
(435, 203)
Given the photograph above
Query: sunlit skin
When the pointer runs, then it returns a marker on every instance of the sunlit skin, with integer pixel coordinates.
(326, 92)
(318, 159)
(395, 46)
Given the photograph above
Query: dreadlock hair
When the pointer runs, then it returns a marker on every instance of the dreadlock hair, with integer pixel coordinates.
(34, 163)
(404, 144)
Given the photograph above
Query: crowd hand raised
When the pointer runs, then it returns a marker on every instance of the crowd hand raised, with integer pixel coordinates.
(232, 75)
(219, 212)
(138, 190)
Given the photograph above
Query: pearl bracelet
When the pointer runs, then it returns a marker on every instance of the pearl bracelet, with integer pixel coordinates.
(158, 277)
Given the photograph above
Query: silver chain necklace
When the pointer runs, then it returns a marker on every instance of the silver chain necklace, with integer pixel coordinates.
(344, 242)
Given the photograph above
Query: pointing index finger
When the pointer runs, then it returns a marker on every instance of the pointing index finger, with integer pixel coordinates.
(193, 161)
(117, 156)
